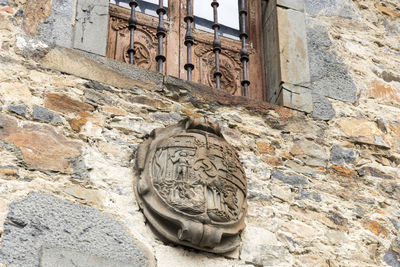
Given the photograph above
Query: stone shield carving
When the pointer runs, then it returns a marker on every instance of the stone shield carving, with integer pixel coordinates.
(192, 187)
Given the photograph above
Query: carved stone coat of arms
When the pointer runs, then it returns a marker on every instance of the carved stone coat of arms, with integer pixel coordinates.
(192, 187)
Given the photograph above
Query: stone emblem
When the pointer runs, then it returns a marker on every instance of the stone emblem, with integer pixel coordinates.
(192, 187)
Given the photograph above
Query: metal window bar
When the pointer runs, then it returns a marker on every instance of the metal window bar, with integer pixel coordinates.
(216, 44)
(189, 38)
(161, 33)
(132, 27)
(244, 54)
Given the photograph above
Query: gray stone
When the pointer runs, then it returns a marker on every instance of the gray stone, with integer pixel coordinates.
(322, 108)
(39, 222)
(167, 118)
(98, 86)
(392, 258)
(340, 155)
(304, 194)
(30, 47)
(340, 8)
(291, 179)
(329, 75)
(60, 257)
(4, 3)
(359, 211)
(42, 114)
(395, 223)
(58, 27)
(17, 109)
(91, 26)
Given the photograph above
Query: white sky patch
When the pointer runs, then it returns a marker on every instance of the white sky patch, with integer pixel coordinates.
(228, 10)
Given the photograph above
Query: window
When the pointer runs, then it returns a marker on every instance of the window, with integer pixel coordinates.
(203, 55)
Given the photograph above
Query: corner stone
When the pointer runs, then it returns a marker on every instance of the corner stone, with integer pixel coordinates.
(40, 228)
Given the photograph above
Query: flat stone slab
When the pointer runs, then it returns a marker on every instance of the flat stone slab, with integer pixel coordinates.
(51, 257)
(41, 229)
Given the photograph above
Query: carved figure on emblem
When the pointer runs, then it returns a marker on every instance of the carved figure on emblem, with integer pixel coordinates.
(192, 187)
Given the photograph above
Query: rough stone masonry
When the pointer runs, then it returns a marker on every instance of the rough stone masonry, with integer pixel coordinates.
(322, 192)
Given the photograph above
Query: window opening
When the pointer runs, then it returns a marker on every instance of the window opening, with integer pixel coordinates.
(227, 17)
(148, 7)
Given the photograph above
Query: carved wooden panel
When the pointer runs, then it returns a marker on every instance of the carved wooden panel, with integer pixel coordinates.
(175, 51)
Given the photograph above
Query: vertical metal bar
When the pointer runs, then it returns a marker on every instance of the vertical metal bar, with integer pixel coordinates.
(244, 54)
(161, 33)
(189, 39)
(216, 44)
(132, 27)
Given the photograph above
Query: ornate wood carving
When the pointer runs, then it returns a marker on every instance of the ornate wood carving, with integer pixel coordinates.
(192, 187)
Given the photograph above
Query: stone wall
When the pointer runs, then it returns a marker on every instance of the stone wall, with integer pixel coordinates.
(321, 193)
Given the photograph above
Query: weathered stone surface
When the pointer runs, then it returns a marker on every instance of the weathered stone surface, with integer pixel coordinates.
(262, 248)
(340, 155)
(293, 47)
(387, 11)
(17, 109)
(384, 91)
(322, 108)
(329, 76)
(65, 104)
(42, 114)
(15, 92)
(340, 8)
(363, 131)
(61, 257)
(41, 146)
(30, 47)
(91, 20)
(290, 179)
(310, 153)
(42, 221)
(75, 63)
(58, 28)
(167, 118)
(4, 3)
(392, 258)
(35, 13)
(374, 173)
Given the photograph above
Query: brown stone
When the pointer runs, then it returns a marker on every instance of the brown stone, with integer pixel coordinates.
(8, 171)
(265, 148)
(77, 123)
(35, 13)
(387, 11)
(155, 103)
(273, 161)
(381, 90)
(41, 146)
(65, 104)
(15, 92)
(375, 228)
(7, 9)
(342, 171)
(363, 131)
(115, 111)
